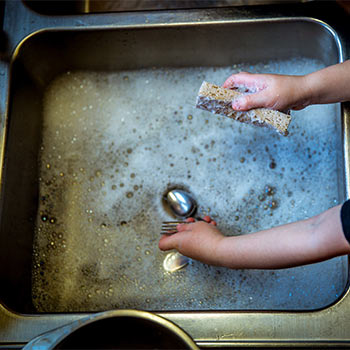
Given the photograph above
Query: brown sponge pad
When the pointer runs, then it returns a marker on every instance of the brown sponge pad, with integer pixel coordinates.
(218, 100)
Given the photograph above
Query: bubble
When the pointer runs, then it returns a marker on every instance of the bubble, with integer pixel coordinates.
(129, 195)
(269, 190)
(261, 197)
(272, 164)
(272, 204)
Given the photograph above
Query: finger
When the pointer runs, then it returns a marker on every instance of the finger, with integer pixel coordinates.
(190, 220)
(183, 227)
(251, 81)
(207, 218)
(213, 223)
(168, 242)
(299, 107)
(247, 102)
(236, 80)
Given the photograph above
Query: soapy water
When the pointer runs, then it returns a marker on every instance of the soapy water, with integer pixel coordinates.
(114, 142)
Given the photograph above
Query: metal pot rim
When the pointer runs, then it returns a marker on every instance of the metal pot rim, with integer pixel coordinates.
(54, 337)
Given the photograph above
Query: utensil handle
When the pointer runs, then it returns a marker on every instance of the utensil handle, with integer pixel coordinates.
(197, 218)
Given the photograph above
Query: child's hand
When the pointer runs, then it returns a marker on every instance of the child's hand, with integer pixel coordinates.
(198, 240)
(280, 92)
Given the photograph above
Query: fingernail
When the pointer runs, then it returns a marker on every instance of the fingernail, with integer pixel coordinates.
(237, 104)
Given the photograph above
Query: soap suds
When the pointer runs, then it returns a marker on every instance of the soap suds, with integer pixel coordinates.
(114, 142)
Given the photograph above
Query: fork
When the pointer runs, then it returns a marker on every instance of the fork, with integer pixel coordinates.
(169, 227)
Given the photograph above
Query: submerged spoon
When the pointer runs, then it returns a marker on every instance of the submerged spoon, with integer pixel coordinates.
(175, 261)
(181, 203)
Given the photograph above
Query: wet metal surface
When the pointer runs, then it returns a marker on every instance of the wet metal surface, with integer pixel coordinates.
(104, 49)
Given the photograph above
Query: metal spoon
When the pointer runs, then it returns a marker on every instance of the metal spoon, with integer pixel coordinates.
(175, 261)
(181, 203)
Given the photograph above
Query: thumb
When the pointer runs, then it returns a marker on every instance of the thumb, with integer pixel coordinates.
(247, 102)
(168, 242)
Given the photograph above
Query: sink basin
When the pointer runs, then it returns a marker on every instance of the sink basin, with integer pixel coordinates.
(102, 122)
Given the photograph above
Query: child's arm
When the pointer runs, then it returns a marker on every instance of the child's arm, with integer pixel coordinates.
(283, 92)
(304, 242)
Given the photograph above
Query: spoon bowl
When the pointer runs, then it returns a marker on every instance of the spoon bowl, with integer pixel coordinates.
(181, 203)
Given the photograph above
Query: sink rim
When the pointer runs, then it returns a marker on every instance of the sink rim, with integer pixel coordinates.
(335, 312)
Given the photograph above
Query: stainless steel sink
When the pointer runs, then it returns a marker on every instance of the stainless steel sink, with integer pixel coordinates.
(37, 195)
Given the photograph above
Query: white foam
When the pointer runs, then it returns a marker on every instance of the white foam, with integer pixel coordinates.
(114, 142)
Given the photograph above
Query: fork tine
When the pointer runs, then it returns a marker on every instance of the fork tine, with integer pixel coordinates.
(168, 232)
(175, 222)
(169, 227)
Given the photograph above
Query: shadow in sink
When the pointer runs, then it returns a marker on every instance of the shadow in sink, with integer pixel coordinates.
(102, 122)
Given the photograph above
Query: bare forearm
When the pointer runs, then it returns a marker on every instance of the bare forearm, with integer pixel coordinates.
(303, 242)
(329, 85)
